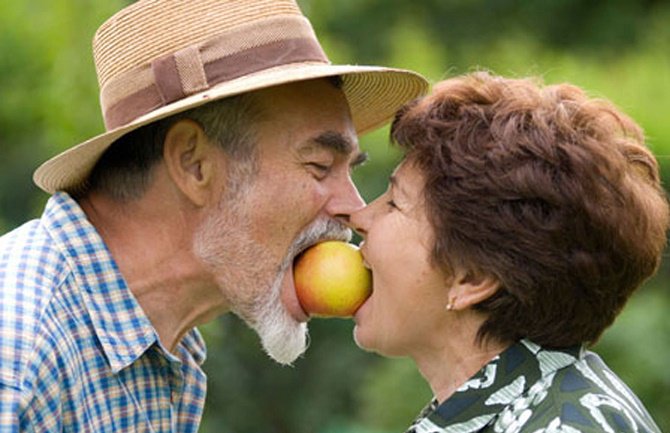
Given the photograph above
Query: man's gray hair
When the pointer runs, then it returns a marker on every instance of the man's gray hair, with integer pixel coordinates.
(125, 170)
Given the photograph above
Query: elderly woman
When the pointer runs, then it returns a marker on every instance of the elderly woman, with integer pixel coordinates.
(519, 223)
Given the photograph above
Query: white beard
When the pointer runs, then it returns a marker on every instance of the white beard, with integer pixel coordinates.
(251, 285)
(283, 338)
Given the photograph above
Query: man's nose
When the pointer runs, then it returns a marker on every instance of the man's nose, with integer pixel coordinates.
(345, 201)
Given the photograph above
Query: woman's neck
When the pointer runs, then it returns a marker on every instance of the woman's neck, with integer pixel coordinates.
(451, 361)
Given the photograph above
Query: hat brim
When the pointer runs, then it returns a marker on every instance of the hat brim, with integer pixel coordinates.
(374, 95)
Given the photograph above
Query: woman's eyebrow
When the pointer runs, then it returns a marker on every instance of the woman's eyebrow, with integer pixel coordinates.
(397, 185)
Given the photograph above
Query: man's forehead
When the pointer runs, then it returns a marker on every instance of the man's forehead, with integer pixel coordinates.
(312, 115)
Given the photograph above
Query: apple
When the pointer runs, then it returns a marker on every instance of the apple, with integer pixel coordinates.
(331, 280)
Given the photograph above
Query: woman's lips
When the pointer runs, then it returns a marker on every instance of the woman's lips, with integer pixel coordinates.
(362, 247)
(361, 310)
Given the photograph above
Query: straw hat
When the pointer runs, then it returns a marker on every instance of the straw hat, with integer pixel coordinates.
(156, 58)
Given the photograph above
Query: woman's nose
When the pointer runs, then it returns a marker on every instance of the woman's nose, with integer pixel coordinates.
(360, 220)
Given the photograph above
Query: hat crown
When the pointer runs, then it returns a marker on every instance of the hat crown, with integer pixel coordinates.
(149, 29)
(158, 52)
(156, 58)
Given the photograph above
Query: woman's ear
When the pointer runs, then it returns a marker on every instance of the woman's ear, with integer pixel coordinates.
(469, 288)
(190, 159)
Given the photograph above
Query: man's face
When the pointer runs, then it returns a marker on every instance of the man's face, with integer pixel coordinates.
(301, 193)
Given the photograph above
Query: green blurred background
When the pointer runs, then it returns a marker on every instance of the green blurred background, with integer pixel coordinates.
(619, 49)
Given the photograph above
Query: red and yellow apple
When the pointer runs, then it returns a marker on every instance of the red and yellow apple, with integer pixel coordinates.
(331, 279)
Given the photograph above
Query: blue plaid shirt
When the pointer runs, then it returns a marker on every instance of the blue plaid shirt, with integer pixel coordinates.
(77, 352)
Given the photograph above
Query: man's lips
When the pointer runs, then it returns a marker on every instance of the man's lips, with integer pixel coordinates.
(290, 299)
(289, 296)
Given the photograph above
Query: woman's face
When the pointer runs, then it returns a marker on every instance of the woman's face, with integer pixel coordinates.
(407, 308)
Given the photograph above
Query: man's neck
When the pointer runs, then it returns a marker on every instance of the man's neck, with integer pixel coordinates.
(151, 240)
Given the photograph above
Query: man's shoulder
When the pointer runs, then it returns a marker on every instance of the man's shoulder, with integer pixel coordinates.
(31, 266)
(30, 257)
(32, 271)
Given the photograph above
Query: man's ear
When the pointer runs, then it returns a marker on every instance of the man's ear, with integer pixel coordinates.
(469, 288)
(190, 159)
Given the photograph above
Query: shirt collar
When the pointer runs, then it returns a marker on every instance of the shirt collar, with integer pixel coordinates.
(120, 324)
(193, 345)
(503, 380)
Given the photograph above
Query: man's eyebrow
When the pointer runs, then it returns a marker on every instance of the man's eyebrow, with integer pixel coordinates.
(360, 159)
(339, 144)
(335, 142)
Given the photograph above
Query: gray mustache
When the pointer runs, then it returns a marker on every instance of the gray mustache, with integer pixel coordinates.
(320, 230)
(323, 230)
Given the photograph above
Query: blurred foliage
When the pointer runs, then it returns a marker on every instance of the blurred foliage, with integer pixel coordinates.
(619, 49)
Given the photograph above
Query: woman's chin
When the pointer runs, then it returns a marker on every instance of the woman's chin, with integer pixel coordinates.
(364, 338)
(361, 340)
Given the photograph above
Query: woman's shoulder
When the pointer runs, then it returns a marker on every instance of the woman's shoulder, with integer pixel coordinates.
(585, 396)
(530, 389)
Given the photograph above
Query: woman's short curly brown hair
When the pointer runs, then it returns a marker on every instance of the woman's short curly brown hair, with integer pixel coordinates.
(550, 192)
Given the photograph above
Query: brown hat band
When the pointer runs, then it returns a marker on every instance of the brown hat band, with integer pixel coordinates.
(194, 69)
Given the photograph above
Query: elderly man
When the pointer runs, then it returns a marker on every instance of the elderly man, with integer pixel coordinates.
(229, 146)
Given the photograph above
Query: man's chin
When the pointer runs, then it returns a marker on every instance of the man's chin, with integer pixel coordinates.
(277, 316)
(285, 345)
(283, 337)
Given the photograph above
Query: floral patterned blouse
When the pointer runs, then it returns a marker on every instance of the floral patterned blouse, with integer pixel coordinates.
(528, 389)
